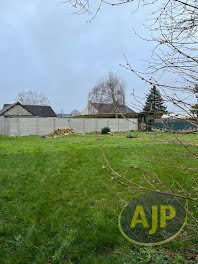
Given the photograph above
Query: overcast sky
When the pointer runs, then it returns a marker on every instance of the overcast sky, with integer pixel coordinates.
(43, 48)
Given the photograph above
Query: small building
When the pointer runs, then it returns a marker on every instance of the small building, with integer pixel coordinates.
(101, 108)
(20, 110)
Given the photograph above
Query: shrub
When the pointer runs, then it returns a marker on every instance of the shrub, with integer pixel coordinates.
(105, 130)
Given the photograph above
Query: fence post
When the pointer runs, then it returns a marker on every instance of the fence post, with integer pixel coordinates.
(3, 127)
(1, 120)
(83, 126)
(37, 126)
(118, 125)
(9, 126)
(18, 133)
(0, 126)
(54, 123)
(96, 124)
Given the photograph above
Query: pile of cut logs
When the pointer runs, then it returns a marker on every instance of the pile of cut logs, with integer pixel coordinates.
(62, 132)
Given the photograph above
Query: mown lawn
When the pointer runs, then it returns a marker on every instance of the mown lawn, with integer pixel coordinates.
(56, 206)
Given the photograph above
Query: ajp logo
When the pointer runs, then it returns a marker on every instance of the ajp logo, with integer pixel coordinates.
(152, 219)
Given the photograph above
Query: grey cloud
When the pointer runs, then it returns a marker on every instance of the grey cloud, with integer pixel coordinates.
(44, 49)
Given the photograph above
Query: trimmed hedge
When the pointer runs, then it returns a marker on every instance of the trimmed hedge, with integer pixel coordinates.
(134, 115)
(131, 115)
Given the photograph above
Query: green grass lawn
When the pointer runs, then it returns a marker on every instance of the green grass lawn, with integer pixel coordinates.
(55, 207)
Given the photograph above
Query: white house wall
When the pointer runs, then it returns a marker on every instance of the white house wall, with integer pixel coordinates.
(89, 110)
(85, 111)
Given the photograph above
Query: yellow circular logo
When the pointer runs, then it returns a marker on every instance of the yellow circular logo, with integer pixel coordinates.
(152, 219)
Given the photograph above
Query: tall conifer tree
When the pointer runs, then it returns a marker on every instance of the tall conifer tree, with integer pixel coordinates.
(154, 102)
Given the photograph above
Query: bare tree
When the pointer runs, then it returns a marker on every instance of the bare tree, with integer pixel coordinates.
(110, 90)
(32, 98)
(173, 27)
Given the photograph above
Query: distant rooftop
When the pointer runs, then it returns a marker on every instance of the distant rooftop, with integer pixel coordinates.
(109, 108)
(63, 115)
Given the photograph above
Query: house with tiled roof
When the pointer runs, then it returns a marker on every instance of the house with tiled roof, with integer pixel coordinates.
(20, 110)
